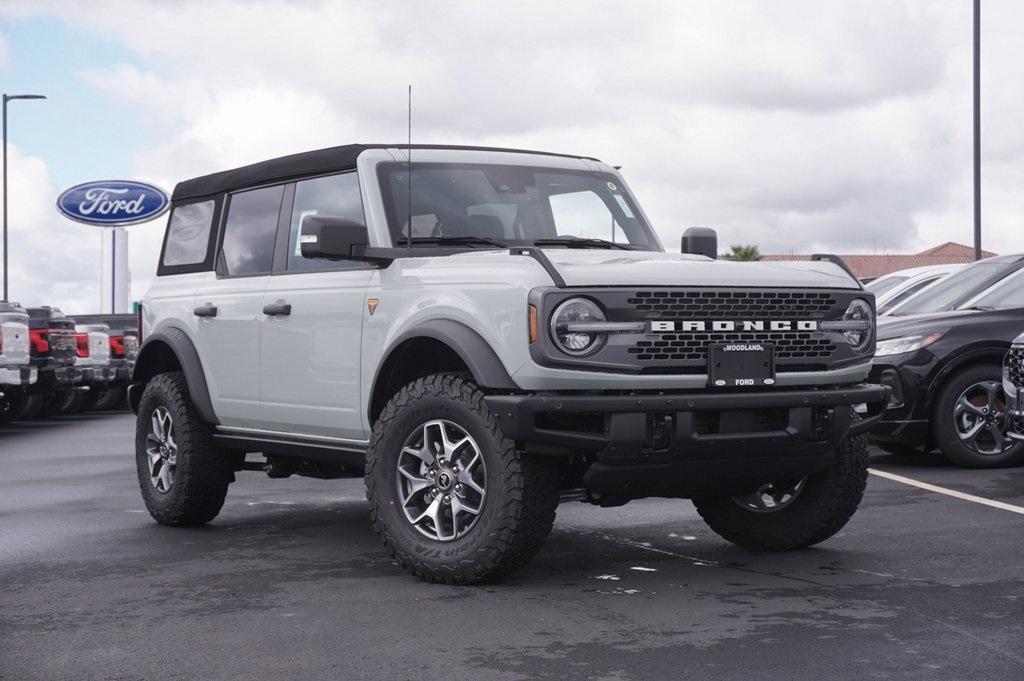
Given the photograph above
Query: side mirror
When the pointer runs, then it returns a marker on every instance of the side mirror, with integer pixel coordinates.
(333, 238)
(701, 241)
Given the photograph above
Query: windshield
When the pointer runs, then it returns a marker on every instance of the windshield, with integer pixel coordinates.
(953, 289)
(1009, 293)
(501, 205)
(884, 284)
(906, 294)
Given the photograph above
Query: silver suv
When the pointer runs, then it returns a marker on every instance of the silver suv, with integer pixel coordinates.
(482, 333)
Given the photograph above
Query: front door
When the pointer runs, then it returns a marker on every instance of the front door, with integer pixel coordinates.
(312, 327)
(229, 306)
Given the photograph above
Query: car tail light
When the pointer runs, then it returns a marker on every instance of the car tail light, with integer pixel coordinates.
(40, 340)
(117, 346)
(81, 345)
(138, 321)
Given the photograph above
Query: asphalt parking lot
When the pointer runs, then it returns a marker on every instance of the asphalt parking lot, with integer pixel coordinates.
(290, 582)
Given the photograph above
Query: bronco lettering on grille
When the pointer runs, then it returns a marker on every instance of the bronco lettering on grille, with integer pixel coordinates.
(659, 326)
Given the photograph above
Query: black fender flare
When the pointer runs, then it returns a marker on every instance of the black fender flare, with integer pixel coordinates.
(188, 359)
(483, 362)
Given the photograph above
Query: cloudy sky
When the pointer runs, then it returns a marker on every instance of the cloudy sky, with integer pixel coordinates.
(798, 126)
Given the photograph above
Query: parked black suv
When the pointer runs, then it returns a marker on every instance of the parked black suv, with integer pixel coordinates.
(945, 373)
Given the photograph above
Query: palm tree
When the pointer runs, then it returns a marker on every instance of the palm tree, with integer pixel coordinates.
(747, 252)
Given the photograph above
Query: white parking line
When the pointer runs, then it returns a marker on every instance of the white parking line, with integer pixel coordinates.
(948, 492)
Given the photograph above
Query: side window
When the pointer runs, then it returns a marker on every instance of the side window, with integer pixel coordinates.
(334, 195)
(188, 234)
(583, 214)
(250, 229)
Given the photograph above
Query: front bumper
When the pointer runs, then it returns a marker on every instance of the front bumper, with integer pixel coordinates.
(19, 376)
(685, 444)
(1014, 397)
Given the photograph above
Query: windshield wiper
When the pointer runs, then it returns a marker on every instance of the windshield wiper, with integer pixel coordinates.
(467, 240)
(579, 242)
(979, 308)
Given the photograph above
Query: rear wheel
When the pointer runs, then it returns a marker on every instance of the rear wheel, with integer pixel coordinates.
(451, 497)
(793, 513)
(183, 475)
(968, 422)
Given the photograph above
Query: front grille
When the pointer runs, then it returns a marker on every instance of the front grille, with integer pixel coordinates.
(1013, 367)
(714, 304)
(804, 346)
(691, 316)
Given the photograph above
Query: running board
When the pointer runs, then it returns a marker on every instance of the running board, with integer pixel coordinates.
(344, 452)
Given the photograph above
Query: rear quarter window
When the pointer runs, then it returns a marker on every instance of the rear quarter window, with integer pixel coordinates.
(188, 234)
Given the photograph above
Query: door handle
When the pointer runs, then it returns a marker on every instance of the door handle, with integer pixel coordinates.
(205, 310)
(278, 309)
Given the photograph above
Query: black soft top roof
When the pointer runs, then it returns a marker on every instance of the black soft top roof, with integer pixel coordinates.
(293, 166)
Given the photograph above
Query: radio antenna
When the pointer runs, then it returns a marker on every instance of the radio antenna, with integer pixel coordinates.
(408, 239)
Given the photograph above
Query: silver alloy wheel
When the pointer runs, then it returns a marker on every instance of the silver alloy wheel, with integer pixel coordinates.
(979, 418)
(772, 497)
(441, 480)
(161, 450)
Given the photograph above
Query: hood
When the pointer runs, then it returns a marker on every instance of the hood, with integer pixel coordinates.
(592, 267)
(922, 324)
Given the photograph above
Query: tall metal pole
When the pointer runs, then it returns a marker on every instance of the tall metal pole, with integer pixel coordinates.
(8, 98)
(977, 129)
(5, 198)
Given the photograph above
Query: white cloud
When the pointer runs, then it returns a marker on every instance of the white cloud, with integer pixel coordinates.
(53, 261)
(799, 126)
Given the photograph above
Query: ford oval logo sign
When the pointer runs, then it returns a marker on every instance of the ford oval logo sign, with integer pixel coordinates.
(113, 203)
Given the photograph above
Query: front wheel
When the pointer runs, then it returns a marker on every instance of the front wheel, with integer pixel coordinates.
(183, 475)
(451, 497)
(793, 513)
(968, 422)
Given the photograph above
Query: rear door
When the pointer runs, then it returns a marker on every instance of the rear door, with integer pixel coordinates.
(310, 368)
(228, 305)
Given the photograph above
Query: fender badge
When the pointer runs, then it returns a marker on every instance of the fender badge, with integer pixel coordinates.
(371, 305)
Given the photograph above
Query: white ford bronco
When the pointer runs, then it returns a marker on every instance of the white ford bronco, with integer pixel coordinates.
(483, 333)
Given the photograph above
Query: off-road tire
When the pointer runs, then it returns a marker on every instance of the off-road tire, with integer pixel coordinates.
(943, 426)
(827, 501)
(202, 472)
(522, 490)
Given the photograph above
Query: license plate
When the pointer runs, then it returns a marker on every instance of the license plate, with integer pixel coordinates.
(741, 364)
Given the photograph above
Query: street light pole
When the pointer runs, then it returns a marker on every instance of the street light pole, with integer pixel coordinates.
(8, 98)
(977, 129)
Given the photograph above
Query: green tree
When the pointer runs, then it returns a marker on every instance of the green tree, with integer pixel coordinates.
(743, 252)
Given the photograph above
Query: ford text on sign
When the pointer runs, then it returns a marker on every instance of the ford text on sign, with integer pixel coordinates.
(113, 202)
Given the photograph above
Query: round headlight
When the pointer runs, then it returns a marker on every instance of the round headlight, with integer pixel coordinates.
(570, 313)
(859, 310)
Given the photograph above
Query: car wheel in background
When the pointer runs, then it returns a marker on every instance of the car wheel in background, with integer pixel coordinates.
(967, 420)
(183, 475)
(55, 404)
(451, 497)
(793, 513)
(24, 407)
(108, 399)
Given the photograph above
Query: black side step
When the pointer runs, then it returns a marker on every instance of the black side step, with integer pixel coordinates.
(346, 455)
